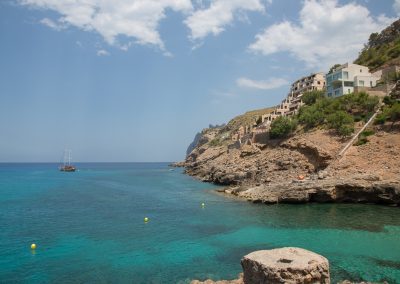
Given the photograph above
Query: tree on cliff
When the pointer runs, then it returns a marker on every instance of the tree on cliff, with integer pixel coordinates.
(341, 122)
(282, 127)
(311, 97)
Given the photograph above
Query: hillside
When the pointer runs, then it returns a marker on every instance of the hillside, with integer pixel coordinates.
(301, 160)
(382, 49)
(221, 134)
(247, 118)
(270, 172)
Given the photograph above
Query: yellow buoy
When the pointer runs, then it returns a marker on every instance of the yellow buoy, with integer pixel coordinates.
(146, 219)
(33, 246)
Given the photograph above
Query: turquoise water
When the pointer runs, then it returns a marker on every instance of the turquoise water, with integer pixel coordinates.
(89, 228)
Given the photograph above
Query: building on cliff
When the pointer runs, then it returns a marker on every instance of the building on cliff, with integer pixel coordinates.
(349, 78)
(291, 104)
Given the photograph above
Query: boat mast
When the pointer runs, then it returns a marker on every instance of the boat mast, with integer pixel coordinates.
(65, 157)
(69, 157)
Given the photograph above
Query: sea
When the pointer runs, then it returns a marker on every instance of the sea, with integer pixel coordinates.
(89, 227)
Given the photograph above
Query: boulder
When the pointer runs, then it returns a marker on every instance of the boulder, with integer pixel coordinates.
(285, 265)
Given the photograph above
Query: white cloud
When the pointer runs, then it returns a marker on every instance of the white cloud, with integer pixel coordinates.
(269, 84)
(396, 6)
(218, 15)
(102, 52)
(53, 25)
(327, 33)
(133, 19)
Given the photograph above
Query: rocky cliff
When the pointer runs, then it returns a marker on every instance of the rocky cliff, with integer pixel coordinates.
(304, 168)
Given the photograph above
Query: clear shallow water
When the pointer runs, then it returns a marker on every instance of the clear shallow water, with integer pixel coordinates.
(89, 228)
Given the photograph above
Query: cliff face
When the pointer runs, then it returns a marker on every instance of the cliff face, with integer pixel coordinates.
(303, 168)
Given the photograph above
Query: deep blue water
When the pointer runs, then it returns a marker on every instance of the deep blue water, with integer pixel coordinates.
(89, 228)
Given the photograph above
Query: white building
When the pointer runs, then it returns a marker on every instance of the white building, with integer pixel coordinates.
(349, 78)
(291, 104)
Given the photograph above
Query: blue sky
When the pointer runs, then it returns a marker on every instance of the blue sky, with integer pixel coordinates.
(134, 80)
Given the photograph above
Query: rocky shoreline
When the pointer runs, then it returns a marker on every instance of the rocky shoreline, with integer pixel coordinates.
(282, 265)
(360, 189)
(304, 168)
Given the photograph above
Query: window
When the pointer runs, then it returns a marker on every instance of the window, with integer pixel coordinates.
(345, 75)
(348, 91)
(360, 70)
(319, 82)
(361, 83)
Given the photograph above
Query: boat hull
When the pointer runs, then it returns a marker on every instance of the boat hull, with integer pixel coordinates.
(68, 169)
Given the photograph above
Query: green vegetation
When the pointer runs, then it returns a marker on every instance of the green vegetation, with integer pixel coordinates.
(389, 101)
(248, 118)
(282, 127)
(311, 97)
(339, 113)
(312, 116)
(332, 69)
(389, 113)
(215, 142)
(362, 139)
(341, 122)
(381, 48)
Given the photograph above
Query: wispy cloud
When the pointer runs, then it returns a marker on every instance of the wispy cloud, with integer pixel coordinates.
(327, 33)
(53, 25)
(271, 83)
(102, 52)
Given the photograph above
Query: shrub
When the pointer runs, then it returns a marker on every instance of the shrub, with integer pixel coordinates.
(366, 133)
(338, 119)
(215, 142)
(311, 116)
(345, 130)
(282, 127)
(380, 118)
(361, 141)
(337, 113)
(342, 122)
(388, 100)
(333, 68)
(311, 97)
(389, 113)
(393, 112)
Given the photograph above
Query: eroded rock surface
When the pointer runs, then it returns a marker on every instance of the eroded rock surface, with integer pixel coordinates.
(285, 265)
(270, 173)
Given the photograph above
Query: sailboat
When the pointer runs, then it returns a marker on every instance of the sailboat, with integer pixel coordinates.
(66, 166)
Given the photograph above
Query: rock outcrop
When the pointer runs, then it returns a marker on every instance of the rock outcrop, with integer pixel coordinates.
(285, 265)
(359, 189)
(270, 173)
